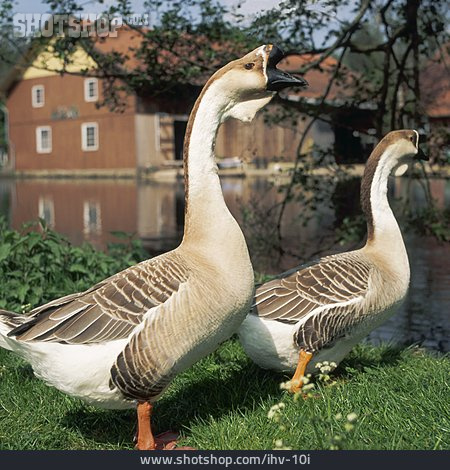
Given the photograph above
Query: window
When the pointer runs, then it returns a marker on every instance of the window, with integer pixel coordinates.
(37, 96)
(92, 221)
(43, 139)
(90, 89)
(89, 136)
(47, 211)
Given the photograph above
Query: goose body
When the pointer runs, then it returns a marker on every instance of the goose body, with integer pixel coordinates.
(319, 311)
(120, 343)
(98, 346)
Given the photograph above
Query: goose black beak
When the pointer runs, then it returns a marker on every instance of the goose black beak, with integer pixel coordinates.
(277, 79)
(420, 155)
(422, 138)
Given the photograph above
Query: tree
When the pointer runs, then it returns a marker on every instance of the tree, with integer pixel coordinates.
(380, 50)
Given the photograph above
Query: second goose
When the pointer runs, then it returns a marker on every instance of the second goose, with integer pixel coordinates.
(320, 311)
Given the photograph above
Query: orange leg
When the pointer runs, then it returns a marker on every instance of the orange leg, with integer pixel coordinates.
(145, 439)
(296, 381)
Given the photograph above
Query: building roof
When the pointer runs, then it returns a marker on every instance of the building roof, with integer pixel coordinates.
(319, 77)
(128, 42)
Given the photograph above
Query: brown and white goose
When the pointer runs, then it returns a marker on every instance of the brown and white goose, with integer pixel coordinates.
(120, 343)
(319, 311)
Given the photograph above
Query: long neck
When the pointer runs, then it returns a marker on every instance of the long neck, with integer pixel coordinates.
(208, 221)
(383, 233)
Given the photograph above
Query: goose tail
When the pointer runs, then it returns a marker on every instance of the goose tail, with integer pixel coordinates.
(9, 321)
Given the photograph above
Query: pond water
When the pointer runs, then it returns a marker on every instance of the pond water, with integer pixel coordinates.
(91, 209)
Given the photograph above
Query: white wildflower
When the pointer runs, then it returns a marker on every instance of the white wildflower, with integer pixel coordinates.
(275, 411)
(285, 385)
(307, 387)
(296, 383)
(279, 445)
(348, 427)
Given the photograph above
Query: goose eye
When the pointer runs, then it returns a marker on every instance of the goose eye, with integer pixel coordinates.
(249, 66)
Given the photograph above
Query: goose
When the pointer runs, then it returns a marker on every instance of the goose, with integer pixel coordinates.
(318, 312)
(120, 343)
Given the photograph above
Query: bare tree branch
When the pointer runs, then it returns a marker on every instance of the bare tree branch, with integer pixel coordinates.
(301, 143)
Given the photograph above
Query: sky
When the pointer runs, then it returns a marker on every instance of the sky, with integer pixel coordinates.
(249, 8)
(38, 6)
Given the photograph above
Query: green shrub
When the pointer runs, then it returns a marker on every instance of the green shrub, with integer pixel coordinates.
(38, 265)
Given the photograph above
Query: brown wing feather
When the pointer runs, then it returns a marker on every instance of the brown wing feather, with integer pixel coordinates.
(331, 281)
(111, 309)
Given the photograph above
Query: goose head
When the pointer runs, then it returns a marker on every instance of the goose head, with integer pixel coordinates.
(249, 83)
(402, 146)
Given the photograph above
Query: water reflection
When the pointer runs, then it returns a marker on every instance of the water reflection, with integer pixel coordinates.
(90, 210)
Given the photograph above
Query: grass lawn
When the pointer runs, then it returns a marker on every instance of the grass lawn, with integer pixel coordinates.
(401, 398)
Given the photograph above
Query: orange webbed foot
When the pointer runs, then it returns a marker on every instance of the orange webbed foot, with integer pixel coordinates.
(297, 379)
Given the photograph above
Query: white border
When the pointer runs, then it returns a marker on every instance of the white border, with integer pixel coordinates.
(39, 148)
(46, 202)
(86, 89)
(84, 145)
(34, 101)
(94, 229)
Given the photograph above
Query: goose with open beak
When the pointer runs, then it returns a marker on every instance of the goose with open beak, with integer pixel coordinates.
(120, 343)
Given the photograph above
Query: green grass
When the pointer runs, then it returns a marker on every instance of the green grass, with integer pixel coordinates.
(401, 398)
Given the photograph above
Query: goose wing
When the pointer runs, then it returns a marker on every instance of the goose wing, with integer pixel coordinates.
(324, 299)
(111, 309)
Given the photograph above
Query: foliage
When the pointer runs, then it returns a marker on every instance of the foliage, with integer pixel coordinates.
(400, 398)
(40, 265)
(352, 230)
(431, 221)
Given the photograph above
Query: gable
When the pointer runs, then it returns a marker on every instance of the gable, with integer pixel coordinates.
(46, 64)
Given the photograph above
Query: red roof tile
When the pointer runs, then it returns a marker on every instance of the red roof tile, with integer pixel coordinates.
(435, 86)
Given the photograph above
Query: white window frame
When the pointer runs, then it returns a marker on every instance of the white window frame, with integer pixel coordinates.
(87, 82)
(47, 205)
(94, 228)
(34, 101)
(39, 147)
(84, 143)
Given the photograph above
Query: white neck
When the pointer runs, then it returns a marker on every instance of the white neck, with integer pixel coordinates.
(387, 239)
(208, 222)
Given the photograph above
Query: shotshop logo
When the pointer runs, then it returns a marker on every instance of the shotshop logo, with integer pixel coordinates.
(83, 25)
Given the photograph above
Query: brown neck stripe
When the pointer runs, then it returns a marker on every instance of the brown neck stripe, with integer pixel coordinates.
(369, 173)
